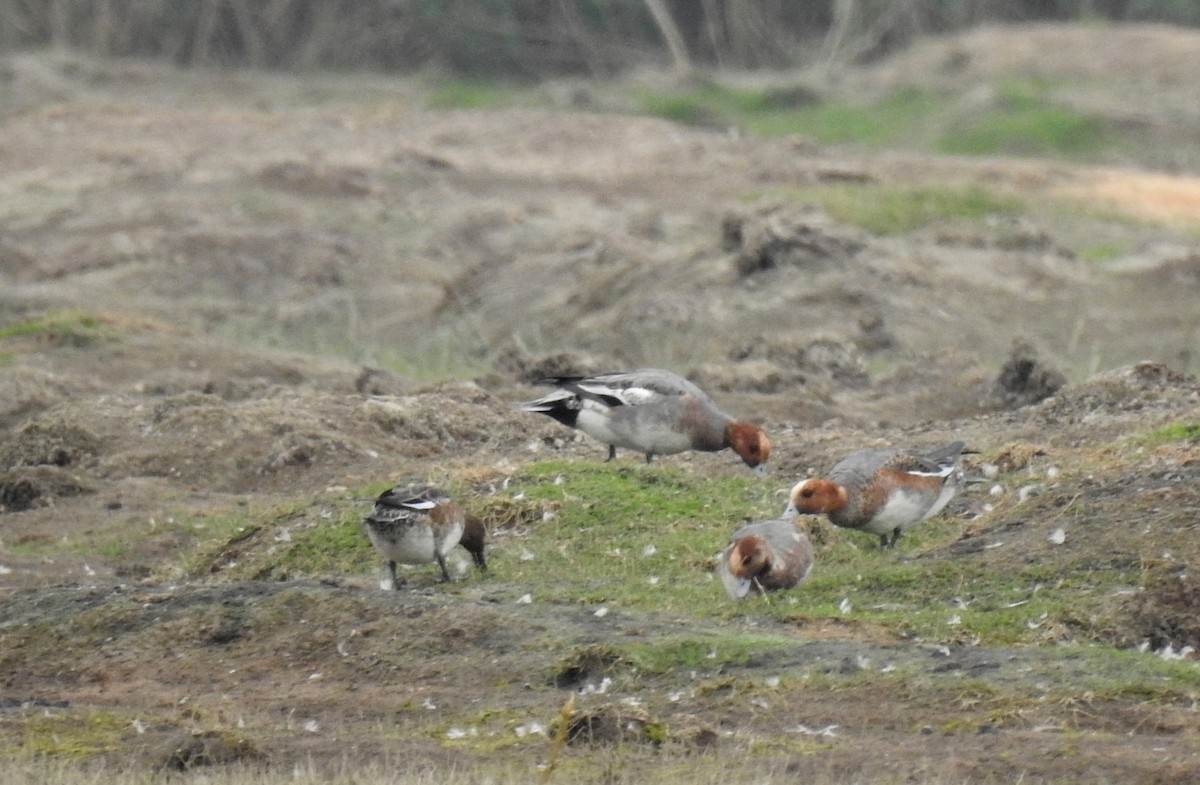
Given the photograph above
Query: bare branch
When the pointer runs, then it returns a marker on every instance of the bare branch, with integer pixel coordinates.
(671, 35)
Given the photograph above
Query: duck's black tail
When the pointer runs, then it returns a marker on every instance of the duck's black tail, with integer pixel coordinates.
(562, 405)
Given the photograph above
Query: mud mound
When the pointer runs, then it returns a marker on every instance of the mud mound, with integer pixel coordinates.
(279, 437)
(1026, 378)
(1141, 388)
(1158, 54)
(207, 748)
(49, 442)
(26, 390)
(26, 487)
(520, 364)
(840, 360)
(774, 236)
(1163, 615)
(611, 724)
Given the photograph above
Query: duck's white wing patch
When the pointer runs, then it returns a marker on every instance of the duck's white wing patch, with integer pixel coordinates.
(631, 395)
(942, 471)
(640, 396)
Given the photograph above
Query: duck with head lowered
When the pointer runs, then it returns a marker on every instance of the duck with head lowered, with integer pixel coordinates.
(653, 411)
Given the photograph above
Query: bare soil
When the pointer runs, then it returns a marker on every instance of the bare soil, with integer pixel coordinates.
(228, 261)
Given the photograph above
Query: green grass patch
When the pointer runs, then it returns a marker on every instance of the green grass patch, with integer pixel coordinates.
(75, 328)
(628, 536)
(631, 535)
(281, 542)
(943, 600)
(887, 209)
(775, 112)
(1101, 252)
(706, 104)
(258, 204)
(669, 652)
(1184, 431)
(470, 95)
(1026, 121)
(72, 734)
(900, 115)
(1132, 675)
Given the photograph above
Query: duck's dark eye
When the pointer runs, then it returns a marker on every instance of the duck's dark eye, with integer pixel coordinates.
(807, 493)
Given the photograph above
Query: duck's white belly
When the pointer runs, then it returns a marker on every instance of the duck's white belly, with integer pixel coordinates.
(634, 430)
(902, 509)
(414, 544)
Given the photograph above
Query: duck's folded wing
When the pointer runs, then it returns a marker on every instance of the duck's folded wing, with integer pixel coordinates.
(940, 463)
(640, 387)
(410, 497)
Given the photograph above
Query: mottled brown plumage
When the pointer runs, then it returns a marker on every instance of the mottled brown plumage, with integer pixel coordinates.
(415, 524)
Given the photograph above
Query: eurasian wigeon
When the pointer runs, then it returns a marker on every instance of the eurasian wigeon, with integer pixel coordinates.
(882, 491)
(653, 411)
(765, 555)
(415, 524)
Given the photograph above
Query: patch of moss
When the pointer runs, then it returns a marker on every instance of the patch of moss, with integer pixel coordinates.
(1027, 121)
(336, 544)
(1101, 252)
(669, 653)
(59, 328)
(796, 111)
(281, 541)
(892, 209)
(1183, 431)
(469, 95)
(70, 733)
(630, 535)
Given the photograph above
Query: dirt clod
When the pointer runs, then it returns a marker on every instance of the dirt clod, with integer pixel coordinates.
(1164, 616)
(784, 236)
(1026, 378)
(49, 442)
(29, 486)
(613, 724)
(208, 748)
(589, 663)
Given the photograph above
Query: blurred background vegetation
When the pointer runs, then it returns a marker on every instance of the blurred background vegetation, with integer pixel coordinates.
(527, 38)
